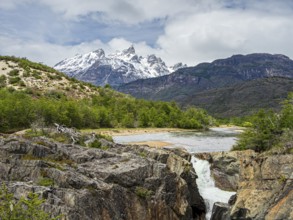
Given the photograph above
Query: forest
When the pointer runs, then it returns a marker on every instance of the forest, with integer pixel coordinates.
(19, 110)
(269, 130)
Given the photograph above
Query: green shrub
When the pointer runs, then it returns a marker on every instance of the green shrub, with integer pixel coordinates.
(14, 72)
(143, 154)
(269, 129)
(21, 83)
(143, 192)
(26, 74)
(3, 81)
(60, 137)
(29, 207)
(37, 74)
(106, 137)
(14, 80)
(45, 181)
(95, 144)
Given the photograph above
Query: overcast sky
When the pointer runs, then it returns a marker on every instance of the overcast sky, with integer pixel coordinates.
(188, 31)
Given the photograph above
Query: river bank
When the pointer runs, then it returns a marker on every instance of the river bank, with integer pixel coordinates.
(132, 131)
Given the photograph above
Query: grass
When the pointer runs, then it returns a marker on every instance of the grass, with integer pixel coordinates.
(14, 72)
(14, 80)
(142, 154)
(30, 157)
(143, 192)
(46, 182)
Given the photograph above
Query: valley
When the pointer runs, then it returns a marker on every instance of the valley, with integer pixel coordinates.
(236, 86)
(146, 110)
(149, 162)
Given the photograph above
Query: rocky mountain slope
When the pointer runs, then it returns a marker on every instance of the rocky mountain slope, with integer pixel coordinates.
(243, 98)
(37, 79)
(264, 184)
(228, 87)
(110, 181)
(115, 69)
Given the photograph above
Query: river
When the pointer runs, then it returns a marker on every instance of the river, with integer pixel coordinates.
(216, 139)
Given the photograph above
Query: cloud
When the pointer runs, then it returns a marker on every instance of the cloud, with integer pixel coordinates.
(216, 34)
(51, 54)
(10, 4)
(45, 52)
(190, 31)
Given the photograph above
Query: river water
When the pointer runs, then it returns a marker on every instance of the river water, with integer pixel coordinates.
(217, 139)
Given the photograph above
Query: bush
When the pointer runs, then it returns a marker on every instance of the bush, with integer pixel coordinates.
(269, 129)
(24, 208)
(2, 81)
(143, 192)
(46, 182)
(14, 72)
(14, 80)
(95, 144)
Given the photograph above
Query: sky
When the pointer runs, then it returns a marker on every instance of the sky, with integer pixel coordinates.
(188, 31)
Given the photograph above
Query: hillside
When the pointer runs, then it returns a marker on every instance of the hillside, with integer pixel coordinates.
(223, 85)
(36, 94)
(35, 78)
(243, 98)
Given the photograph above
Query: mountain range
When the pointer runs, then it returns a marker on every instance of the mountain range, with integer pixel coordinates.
(115, 69)
(235, 86)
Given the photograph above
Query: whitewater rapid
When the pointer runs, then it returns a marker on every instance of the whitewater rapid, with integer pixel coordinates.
(206, 185)
(216, 139)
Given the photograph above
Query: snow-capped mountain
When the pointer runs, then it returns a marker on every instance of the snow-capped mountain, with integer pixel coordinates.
(115, 69)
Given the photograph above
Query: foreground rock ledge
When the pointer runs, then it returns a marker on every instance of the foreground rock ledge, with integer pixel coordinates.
(119, 182)
(264, 184)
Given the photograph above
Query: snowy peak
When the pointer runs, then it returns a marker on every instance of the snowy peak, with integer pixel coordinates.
(177, 66)
(100, 53)
(129, 51)
(79, 63)
(117, 68)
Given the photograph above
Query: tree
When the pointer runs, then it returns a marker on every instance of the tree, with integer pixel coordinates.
(268, 129)
(22, 209)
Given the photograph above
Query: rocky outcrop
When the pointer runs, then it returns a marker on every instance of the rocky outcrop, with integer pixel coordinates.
(225, 167)
(264, 189)
(111, 182)
(221, 211)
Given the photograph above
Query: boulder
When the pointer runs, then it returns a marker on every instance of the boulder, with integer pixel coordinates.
(265, 188)
(112, 182)
(225, 167)
(221, 211)
(264, 184)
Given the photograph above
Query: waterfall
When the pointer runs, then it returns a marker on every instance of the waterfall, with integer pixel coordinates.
(206, 185)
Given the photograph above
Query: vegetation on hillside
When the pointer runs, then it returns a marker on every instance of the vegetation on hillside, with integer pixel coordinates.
(38, 79)
(269, 129)
(19, 110)
(25, 208)
(27, 64)
(34, 93)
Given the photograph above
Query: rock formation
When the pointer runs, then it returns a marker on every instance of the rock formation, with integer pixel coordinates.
(113, 181)
(265, 189)
(264, 184)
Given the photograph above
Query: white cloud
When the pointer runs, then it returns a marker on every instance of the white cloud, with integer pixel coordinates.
(51, 54)
(45, 52)
(194, 30)
(10, 4)
(204, 37)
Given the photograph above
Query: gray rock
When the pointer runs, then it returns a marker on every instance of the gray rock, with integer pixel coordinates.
(221, 211)
(121, 182)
